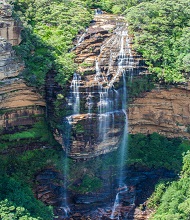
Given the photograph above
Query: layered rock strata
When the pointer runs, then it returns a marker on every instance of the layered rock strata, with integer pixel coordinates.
(20, 105)
(9, 28)
(165, 111)
(95, 107)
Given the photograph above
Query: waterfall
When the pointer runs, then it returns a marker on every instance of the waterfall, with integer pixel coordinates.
(74, 101)
(75, 93)
(98, 11)
(96, 112)
(80, 40)
(90, 103)
(123, 147)
(116, 204)
(124, 64)
(66, 140)
(117, 200)
(123, 151)
(105, 110)
(99, 76)
(65, 206)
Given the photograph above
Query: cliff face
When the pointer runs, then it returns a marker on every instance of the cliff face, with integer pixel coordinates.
(19, 104)
(165, 111)
(9, 28)
(95, 112)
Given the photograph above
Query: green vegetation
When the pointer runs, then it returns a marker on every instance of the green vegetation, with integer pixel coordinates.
(156, 151)
(89, 184)
(86, 64)
(173, 202)
(79, 128)
(139, 85)
(161, 31)
(49, 29)
(9, 211)
(17, 200)
(113, 6)
(15, 165)
(39, 133)
(152, 151)
(18, 170)
(17, 179)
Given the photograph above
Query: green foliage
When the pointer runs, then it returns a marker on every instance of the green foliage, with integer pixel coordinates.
(86, 64)
(155, 198)
(35, 159)
(186, 165)
(113, 6)
(17, 173)
(161, 31)
(20, 201)
(89, 184)
(79, 128)
(39, 133)
(152, 151)
(156, 151)
(139, 85)
(173, 202)
(49, 29)
(9, 211)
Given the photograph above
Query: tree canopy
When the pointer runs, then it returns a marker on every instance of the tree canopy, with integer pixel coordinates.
(161, 31)
(173, 201)
(49, 29)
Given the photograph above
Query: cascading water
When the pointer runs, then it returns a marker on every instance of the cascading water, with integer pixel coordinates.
(96, 107)
(106, 110)
(98, 11)
(65, 206)
(75, 94)
(74, 101)
(123, 152)
(80, 40)
(125, 63)
(89, 103)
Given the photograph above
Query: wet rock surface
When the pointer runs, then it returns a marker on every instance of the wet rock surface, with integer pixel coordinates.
(95, 114)
(99, 205)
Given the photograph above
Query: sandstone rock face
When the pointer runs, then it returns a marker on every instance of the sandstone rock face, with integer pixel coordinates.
(10, 66)
(96, 103)
(20, 105)
(165, 111)
(9, 28)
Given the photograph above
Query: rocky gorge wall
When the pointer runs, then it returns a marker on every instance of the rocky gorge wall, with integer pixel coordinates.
(95, 108)
(165, 111)
(161, 110)
(9, 28)
(20, 105)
